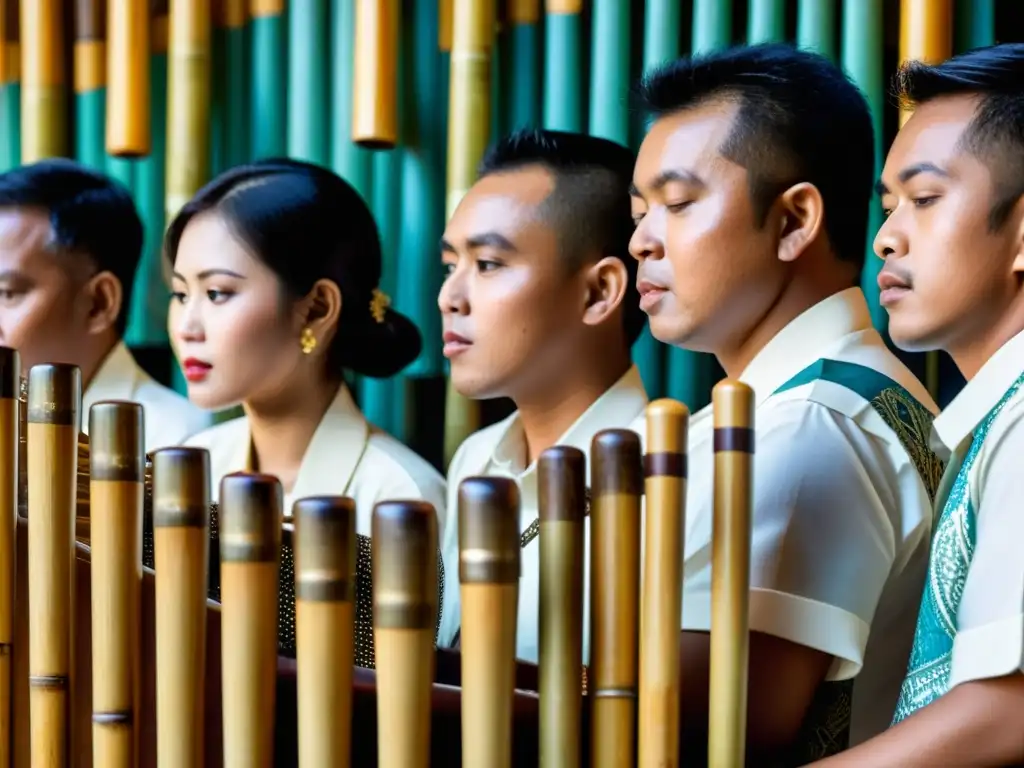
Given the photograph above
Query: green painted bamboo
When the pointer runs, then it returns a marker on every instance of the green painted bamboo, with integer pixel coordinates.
(609, 70)
(563, 110)
(816, 25)
(766, 21)
(712, 24)
(268, 127)
(308, 80)
(975, 24)
(10, 86)
(90, 124)
(863, 39)
(523, 96)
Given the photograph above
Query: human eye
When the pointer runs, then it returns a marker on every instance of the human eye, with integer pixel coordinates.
(217, 296)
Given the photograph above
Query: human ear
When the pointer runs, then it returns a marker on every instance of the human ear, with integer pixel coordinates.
(104, 298)
(606, 284)
(803, 216)
(320, 311)
(1018, 218)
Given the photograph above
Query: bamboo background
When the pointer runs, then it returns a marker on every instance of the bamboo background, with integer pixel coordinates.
(400, 98)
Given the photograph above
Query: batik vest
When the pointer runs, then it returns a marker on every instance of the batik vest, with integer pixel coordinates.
(952, 550)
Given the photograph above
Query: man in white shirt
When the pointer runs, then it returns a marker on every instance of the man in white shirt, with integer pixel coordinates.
(70, 244)
(953, 245)
(750, 197)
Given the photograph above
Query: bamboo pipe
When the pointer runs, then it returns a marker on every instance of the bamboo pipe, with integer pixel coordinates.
(10, 379)
(616, 482)
(181, 543)
(116, 468)
(251, 516)
(43, 97)
(128, 78)
(489, 590)
(54, 400)
(733, 404)
(405, 576)
(375, 78)
(661, 609)
(561, 497)
(90, 77)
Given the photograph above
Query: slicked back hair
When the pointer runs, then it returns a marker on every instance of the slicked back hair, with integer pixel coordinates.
(589, 207)
(995, 75)
(799, 119)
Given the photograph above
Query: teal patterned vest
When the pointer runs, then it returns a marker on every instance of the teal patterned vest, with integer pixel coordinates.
(952, 549)
(826, 728)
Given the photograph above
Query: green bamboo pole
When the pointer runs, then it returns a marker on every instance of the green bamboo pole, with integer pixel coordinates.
(766, 21)
(712, 24)
(562, 64)
(90, 75)
(229, 108)
(523, 49)
(307, 80)
(268, 127)
(975, 24)
(815, 26)
(10, 85)
(609, 71)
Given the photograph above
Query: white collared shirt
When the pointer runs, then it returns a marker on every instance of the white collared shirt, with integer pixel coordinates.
(498, 450)
(168, 417)
(346, 457)
(990, 620)
(841, 518)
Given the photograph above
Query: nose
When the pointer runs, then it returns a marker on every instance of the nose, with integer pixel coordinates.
(645, 243)
(452, 298)
(184, 321)
(890, 240)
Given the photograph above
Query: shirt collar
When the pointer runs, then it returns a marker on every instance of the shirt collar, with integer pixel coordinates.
(807, 338)
(615, 409)
(981, 394)
(115, 379)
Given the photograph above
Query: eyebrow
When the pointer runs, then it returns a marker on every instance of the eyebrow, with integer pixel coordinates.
(910, 172)
(211, 273)
(483, 240)
(665, 177)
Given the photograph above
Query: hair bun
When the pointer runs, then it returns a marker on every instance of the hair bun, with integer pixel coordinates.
(379, 350)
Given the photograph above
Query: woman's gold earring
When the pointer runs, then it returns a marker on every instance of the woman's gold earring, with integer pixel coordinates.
(308, 341)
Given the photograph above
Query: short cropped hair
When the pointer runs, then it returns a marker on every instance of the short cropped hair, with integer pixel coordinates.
(996, 133)
(91, 216)
(589, 207)
(800, 119)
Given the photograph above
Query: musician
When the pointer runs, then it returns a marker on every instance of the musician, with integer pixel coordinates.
(275, 277)
(70, 245)
(538, 305)
(953, 245)
(750, 197)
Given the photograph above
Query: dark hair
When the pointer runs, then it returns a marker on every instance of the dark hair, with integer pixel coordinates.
(90, 214)
(308, 224)
(590, 205)
(996, 133)
(800, 119)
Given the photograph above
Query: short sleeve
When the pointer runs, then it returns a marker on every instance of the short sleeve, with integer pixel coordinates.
(825, 533)
(990, 621)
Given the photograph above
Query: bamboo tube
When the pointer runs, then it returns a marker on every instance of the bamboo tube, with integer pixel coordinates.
(116, 458)
(662, 597)
(188, 101)
(128, 92)
(250, 549)
(561, 496)
(524, 55)
(43, 107)
(268, 100)
(616, 482)
(309, 74)
(54, 400)
(90, 76)
(469, 126)
(563, 109)
(489, 591)
(325, 577)
(181, 544)
(766, 21)
(815, 26)
(609, 71)
(10, 378)
(404, 541)
(10, 85)
(733, 404)
(375, 106)
(229, 86)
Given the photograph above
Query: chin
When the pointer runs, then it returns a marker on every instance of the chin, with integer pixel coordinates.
(912, 338)
(474, 387)
(675, 331)
(209, 399)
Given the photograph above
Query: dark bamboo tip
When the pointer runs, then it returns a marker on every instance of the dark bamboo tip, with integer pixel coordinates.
(733, 403)
(250, 517)
(561, 484)
(404, 546)
(325, 548)
(55, 394)
(489, 530)
(10, 374)
(615, 463)
(116, 445)
(181, 487)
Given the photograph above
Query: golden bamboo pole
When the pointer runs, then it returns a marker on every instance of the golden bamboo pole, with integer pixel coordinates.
(128, 88)
(181, 544)
(90, 48)
(10, 379)
(10, 49)
(43, 94)
(489, 589)
(54, 402)
(375, 78)
(116, 457)
(662, 598)
(733, 404)
(404, 545)
(188, 101)
(469, 129)
(561, 496)
(444, 24)
(616, 482)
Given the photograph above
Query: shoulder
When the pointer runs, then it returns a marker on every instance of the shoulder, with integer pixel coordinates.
(999, 454)
(404, 471)
(170, 412)
(476, 449)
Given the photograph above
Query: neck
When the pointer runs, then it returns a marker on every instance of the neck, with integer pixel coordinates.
(984, 337)
(93, 360)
